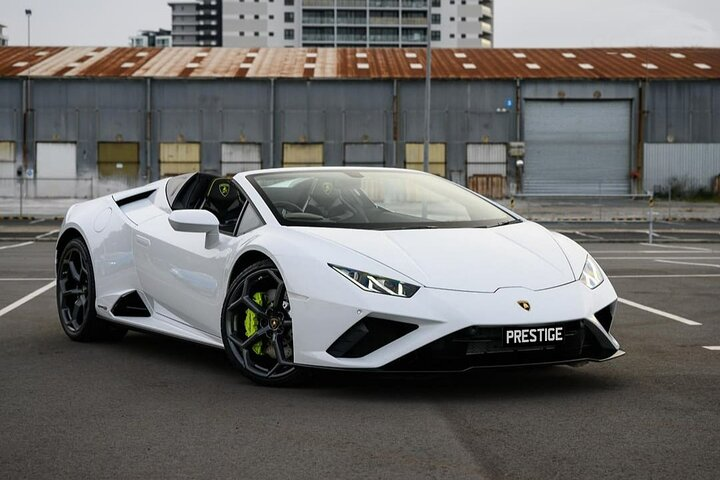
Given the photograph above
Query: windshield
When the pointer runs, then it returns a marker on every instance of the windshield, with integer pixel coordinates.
(373, 199)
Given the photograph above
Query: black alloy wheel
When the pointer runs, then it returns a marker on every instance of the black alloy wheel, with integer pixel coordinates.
(257, 326)
(76, 297)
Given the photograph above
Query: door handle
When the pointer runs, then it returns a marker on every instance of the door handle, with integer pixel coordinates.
(145, 242)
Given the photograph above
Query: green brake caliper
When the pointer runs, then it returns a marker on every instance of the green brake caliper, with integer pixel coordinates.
(252, 323)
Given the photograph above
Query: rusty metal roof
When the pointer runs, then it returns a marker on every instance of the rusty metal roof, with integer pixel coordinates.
(360, 63)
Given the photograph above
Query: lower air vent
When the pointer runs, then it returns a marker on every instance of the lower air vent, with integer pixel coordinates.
(605, 316)
(368, 335)
(130, 305)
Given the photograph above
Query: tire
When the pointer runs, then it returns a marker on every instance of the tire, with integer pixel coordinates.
(257, 327)
(75, 293)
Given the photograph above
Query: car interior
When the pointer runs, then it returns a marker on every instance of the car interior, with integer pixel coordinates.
(218, 195)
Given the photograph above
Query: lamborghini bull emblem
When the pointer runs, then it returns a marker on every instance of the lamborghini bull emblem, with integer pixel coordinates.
(524, 304)
(224, 189)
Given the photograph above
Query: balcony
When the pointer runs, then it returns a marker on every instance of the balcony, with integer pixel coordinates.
(349, 18)
(415, 4)
(318, 19)
(384, 20)
(384, 3)
(319, 3)
(351, 3)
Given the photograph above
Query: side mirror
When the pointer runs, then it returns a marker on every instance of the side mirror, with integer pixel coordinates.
(198, 221)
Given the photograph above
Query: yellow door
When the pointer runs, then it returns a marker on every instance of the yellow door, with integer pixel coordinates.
(302, 155)
(414, 157)
(118, 159)
(179, 158)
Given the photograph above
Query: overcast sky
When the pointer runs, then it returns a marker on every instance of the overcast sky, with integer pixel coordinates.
(518, 23)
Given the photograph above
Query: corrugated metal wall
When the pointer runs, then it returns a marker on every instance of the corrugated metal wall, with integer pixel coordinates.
(688, 166)
(337, 113)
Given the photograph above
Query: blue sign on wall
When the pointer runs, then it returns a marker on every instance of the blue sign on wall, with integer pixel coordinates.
(509, 103)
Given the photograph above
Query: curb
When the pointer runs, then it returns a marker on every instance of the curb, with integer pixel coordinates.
(27, 217)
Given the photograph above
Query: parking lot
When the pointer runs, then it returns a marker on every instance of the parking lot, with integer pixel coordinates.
(155, 407)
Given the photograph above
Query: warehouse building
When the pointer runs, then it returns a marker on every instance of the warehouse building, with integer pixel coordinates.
(591, 121)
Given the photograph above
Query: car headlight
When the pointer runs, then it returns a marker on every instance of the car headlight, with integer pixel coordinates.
(376, 283)
(591, 275)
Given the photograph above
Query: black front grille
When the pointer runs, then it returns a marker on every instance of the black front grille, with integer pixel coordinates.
(480, 346)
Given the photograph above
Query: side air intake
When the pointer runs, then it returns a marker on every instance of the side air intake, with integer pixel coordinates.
(130, 305)
(368, 335)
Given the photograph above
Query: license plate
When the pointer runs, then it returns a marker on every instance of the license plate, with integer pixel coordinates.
(532, 336)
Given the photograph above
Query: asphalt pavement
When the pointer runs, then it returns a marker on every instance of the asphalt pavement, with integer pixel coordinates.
(154, 407)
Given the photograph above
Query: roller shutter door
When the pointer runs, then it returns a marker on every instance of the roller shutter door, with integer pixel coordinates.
(240, 157)
(578, 147)
(364, 154)
(56, 171)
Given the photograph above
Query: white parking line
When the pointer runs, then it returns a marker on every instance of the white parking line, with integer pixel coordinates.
(676, 262)
(594, 237)
(657, 258)
(659, 312)
(676, 247)
(691, 275)
(51, 232)
(25, 279)
(649, 252)
(27, 298)
(39, 220)
(16, 245)
(712, 348)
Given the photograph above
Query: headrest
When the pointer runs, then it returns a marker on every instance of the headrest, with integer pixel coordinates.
(325, 193)
(222, 192)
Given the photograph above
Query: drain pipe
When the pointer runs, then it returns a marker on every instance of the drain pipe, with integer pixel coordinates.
(148, 129)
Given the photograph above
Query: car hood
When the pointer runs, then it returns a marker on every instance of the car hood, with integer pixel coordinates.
(469, 259)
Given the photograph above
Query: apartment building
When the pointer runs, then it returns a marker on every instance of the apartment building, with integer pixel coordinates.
(197, 23)
(152, 38)
(333, 23)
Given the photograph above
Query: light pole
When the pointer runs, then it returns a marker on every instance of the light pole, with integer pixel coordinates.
(28, 12)
(428, 75)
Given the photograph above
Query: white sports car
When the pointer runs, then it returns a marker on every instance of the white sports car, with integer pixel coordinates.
(339, 268)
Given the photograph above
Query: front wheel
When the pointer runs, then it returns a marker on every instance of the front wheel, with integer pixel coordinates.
(257, 326)
(76, 297)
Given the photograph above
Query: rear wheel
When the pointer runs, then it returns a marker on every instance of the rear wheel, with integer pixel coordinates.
(257, 326)
(76, 297)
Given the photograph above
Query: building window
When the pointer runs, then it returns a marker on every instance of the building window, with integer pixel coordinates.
(289, 3)
(289, 34)
(435, 36)
(435, 18)
(289, 17)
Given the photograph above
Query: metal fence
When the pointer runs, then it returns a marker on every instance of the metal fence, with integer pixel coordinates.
(579, 208)
(46, 195)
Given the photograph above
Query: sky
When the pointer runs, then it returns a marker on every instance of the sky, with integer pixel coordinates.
(518, 23)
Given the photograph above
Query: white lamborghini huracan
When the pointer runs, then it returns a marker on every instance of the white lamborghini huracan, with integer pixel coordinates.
(340, 268)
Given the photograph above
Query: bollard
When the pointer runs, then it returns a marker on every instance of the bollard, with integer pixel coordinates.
(651, 204)
(22, 182)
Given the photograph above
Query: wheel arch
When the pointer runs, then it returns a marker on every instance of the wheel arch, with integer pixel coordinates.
(69, 234)
(245, 260)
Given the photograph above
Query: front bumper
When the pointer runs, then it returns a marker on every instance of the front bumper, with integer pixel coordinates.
(322, 315)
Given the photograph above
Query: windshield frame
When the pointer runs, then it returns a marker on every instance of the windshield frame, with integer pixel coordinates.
(424, 225)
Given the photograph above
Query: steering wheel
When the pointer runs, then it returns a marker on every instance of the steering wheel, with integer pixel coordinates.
(287, 206)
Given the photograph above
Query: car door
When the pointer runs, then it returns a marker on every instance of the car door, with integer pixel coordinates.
(185, 280)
